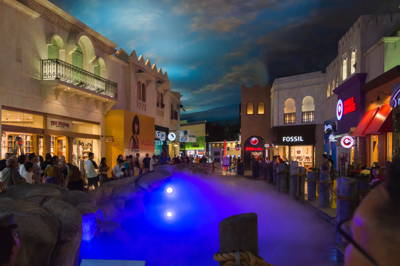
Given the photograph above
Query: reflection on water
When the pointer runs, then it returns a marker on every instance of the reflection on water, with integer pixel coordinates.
(176, 223)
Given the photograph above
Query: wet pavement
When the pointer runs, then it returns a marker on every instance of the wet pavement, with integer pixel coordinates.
(177, 224)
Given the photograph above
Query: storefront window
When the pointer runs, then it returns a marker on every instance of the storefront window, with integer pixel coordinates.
(303, 155)
(389, 146)
(81, 148)
(18, 143)
(374, 149)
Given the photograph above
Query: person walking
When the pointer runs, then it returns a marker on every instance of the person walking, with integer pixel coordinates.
(146, 163)
(103, 169)
(91, 171)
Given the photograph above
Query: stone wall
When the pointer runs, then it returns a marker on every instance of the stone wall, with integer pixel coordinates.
(52, 220)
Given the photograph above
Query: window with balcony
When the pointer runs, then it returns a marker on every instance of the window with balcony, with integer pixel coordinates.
(250, 109)
(289, 111)
(82, 72)
(308, 110)
(261, 108)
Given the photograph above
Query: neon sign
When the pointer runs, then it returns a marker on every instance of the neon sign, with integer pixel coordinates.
(346, 107)
(253, 149)
(347, 142)
(395, 99)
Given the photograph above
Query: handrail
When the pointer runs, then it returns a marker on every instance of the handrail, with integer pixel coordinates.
(56, 69)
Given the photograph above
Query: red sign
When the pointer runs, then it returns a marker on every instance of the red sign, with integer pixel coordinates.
(254, 141)
(253, 149)
(349, 105)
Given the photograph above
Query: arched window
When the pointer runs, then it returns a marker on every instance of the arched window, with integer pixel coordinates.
(143, 92)
(289, 111)
(88, 52)
(261, 108)
(308, 110)
(250, 109)
(55, 48)
(344, 68)
(353, 62)
(100, 68)
(77, 57)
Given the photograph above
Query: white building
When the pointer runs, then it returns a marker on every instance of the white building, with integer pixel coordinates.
(297, 103)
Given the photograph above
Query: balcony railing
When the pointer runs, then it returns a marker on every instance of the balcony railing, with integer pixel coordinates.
(55, 69)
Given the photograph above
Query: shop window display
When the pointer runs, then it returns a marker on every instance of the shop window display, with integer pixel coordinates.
(19, 143)
(303, 155)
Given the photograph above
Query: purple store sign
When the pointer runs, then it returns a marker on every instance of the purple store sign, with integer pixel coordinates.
(395, 99)
(351, 104)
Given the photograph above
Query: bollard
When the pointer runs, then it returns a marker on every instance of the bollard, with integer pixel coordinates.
(301, 184)
(283, 182)
(293, 179)
(347, 201)
(323, 190)
(311, 185)
(293, 186)
(239, 233)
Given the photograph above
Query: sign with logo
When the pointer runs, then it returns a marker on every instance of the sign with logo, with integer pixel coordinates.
(395, 99)
(171, 136)
(161, 135)
(347, 142)
(292, 139)
(254, 141)
(294, 135)
(346, 107)
(59, 124)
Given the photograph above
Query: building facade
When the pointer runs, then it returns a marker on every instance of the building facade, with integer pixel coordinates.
(297, 103)
(59, 79)
(255, 122)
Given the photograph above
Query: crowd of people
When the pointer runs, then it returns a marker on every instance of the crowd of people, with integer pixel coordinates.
(34, 169)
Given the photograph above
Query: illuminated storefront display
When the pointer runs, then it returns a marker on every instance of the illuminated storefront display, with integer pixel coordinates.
(160, 141)
(295, 143)
(26, 132)
(132, 133)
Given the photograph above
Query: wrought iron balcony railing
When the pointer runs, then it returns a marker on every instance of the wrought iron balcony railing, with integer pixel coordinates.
(55, 69)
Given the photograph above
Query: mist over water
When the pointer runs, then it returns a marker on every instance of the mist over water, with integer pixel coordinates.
(176, 223)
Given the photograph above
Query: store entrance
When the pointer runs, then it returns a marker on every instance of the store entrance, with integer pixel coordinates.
(59, 146)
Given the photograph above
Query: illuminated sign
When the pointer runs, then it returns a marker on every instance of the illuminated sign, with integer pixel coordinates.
(161, 135)
(395, 99)
(254, 141)
(253, 149)
(347, 142)
(346, 107)
(292, 139)
(171, 136)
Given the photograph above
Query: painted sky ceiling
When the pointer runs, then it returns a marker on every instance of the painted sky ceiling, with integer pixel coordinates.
(211, 47)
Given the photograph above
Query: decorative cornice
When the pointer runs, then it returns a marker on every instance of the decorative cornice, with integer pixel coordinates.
(60, 18)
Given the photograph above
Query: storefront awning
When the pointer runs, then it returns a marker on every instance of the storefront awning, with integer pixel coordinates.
(378, 125)
(376, 121)
(364, 123)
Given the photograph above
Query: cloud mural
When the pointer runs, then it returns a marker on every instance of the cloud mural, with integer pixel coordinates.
(211, 47)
